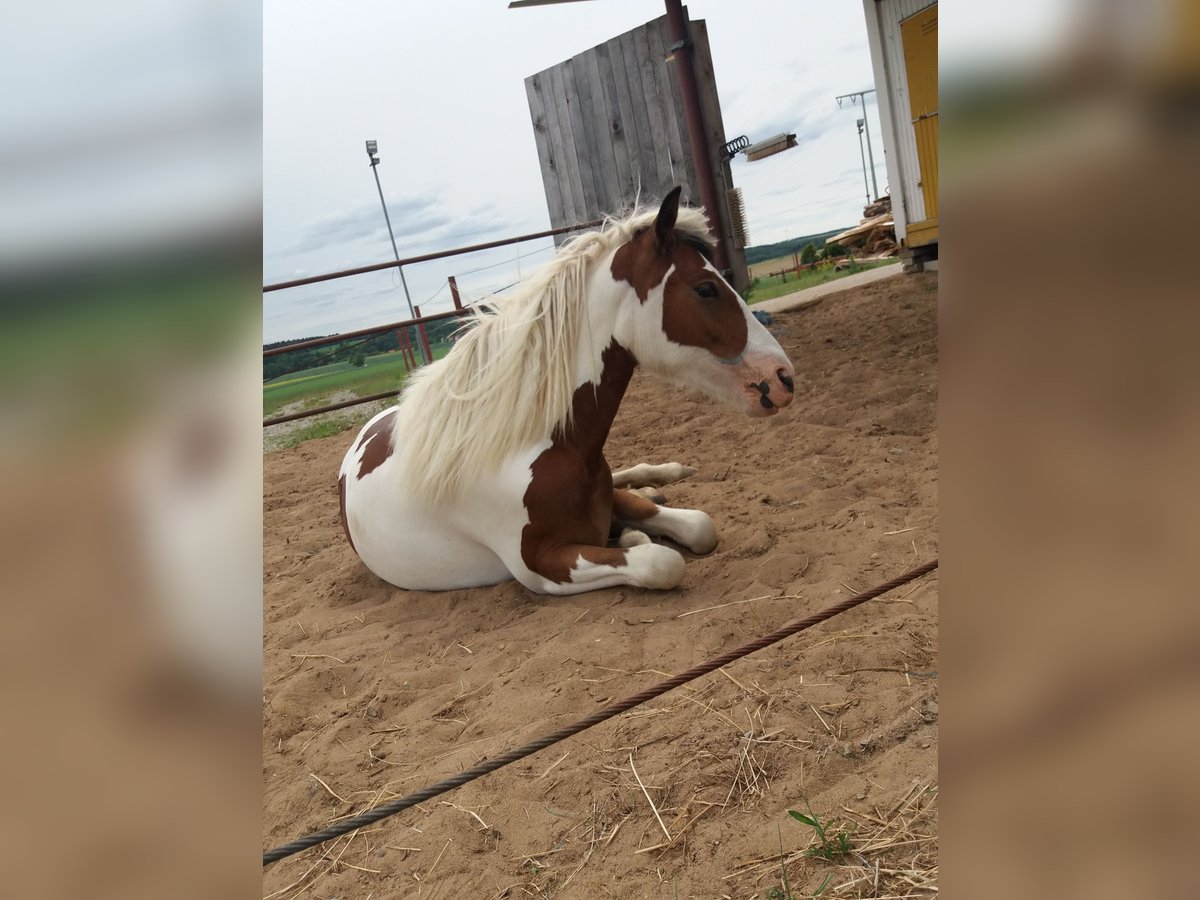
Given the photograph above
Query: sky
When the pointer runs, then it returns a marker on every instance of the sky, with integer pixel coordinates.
(441, 87)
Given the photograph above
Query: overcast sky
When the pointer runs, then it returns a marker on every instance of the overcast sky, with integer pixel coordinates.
(441, 87)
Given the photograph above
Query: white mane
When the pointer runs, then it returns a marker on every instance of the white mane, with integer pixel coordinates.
(510, 378)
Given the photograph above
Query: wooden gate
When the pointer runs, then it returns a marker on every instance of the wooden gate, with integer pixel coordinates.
(609, 124)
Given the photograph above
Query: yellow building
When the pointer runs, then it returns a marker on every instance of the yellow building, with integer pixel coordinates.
(904, 55)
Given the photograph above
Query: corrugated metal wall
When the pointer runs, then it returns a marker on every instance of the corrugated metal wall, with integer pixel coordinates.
(903, 164)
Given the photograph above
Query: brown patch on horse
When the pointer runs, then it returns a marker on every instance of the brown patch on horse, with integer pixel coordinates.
(716, 324)
(342, 511)
(631, 507)
(570, 496)
(640, 263)
(378, 442)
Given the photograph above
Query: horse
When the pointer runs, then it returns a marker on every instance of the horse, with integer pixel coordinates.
(491, 467)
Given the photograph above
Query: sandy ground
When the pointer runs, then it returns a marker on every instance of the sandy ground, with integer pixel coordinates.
(371, 692)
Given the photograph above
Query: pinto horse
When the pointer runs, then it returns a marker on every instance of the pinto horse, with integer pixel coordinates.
(492, 465)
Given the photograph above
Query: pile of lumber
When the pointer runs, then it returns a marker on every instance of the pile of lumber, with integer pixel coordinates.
(875, 235)
(880, 206)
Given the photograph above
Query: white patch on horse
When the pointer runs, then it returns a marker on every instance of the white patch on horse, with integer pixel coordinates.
(691, 528)
(647, 565)
(648, 475)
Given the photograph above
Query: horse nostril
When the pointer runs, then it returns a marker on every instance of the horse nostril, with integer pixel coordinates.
(766, 402)
(788, 381)
(763, 388)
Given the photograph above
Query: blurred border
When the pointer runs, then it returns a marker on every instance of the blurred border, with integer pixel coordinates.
(130, 448)
(1070, 430)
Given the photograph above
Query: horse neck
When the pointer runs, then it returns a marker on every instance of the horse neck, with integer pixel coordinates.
(603, 367)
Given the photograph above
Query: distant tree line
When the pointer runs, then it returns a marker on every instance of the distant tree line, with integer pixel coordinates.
(783, 248)
(812, 253)
(352, 350)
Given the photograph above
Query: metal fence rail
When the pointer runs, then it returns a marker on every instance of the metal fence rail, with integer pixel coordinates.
(418, 321)
(363, 332)
(426, 257)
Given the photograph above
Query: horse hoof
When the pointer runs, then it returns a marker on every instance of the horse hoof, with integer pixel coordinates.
(655, 566)
(700, 535)
(631, 537)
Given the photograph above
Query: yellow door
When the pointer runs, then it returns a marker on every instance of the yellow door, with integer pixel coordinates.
(919, 35)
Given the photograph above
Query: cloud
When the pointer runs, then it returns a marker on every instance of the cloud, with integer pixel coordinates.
(420, 224)
(365, 224)
(848, 176)
(800, 120)
(808, 134)
(479, 225)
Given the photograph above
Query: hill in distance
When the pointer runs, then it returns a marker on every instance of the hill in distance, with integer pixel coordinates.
(785, 248)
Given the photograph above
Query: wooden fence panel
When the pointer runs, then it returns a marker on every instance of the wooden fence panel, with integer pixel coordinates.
(615, 118)
(609, 124)
(545, 147)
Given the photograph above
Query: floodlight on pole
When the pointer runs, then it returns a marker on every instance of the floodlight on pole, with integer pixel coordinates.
(373, 155)
(866, 189)
(866, 123)
(770, 146)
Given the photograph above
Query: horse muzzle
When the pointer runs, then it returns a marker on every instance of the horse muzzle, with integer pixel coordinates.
(771, 385)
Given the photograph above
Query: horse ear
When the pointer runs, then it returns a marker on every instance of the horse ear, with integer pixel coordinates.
(664, 225)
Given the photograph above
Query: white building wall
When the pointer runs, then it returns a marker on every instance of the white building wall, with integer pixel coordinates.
(891, 92)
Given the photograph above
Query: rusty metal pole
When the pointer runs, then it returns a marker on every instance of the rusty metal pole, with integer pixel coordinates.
(402, 343)
(697, 137)
(424, 338)
(454, 292)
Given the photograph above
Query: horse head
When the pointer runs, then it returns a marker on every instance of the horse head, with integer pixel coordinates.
(683, 321)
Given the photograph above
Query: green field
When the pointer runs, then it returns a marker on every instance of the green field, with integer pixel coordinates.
(312, 387)
(767, 287)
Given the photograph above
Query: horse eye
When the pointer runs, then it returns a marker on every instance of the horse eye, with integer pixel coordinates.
(707, 290)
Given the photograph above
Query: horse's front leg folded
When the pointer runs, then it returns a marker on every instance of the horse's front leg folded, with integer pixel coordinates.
(575, 568)
(647, 475)
(691, 528)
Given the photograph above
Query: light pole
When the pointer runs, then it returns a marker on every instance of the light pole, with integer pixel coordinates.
(373, 155)
(866, 125)
(866, 190)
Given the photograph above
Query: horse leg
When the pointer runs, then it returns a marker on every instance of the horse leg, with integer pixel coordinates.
(575, 568)
(646, 475)
(631, 537)
(690, 527)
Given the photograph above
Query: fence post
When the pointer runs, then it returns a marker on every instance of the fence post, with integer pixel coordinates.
(408, 348)
(401, 340)
(424, 336)
(454, 292)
